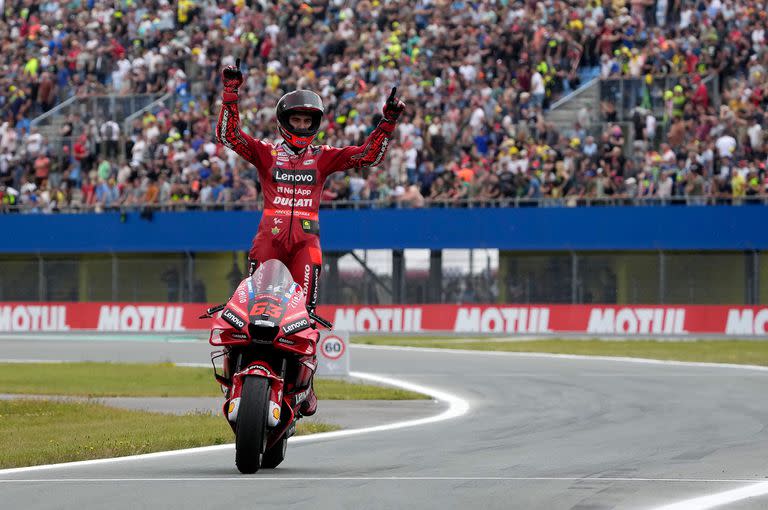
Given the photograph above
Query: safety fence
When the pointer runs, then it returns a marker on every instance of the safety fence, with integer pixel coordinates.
(411, 276)
(395, 203)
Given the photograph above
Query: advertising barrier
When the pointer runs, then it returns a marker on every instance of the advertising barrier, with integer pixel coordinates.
(678, 320)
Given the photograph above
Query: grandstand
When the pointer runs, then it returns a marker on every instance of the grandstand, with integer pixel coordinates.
(108, 108)
(111, 105)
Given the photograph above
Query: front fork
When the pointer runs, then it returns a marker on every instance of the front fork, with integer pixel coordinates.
(282, 417)
(232, 382)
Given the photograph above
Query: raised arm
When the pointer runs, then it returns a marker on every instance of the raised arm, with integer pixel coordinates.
(228, 130)
(372, 151)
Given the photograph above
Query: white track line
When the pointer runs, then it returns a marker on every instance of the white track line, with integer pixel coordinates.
(456, 407)
(719, 498)
(262, 477)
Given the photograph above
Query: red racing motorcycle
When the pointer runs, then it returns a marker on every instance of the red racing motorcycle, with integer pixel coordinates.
(267, 333)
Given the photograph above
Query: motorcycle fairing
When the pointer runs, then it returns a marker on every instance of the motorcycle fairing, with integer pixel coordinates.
(255, 369)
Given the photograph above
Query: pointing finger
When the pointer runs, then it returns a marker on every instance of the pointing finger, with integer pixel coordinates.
(237, 63)
(392, 94)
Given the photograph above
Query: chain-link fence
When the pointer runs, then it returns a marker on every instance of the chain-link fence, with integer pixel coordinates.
(416, 276)
(634, 278)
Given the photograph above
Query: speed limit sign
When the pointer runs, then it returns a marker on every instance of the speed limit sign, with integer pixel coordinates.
(332, 347)
(333, 355)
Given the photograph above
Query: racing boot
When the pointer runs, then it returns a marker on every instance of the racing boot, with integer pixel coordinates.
(305, 385)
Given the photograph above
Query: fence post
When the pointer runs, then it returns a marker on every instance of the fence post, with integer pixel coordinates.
(435, 286)
(574, 278)
(752, 278)
(398, 277)
(190, 278)
(662, 278)
(40, 278)
(115, 279)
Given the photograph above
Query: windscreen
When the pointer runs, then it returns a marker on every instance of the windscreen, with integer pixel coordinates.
(272, 277)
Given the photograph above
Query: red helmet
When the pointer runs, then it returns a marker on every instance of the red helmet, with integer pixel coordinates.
(299, 101)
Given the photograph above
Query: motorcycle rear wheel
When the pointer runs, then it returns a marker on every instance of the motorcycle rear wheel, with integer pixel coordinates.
(251, 430)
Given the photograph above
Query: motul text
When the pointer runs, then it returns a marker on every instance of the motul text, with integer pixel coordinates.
(33, 318)
(378, 320)
(140, 318)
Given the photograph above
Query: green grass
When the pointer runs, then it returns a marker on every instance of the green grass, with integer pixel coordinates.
(51, 431)
(44, 432)
(333, 389)
(750, 352)
(156, 380)
(107, 380)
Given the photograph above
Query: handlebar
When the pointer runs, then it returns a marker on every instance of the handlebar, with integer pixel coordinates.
(214, 309)
(209, 312)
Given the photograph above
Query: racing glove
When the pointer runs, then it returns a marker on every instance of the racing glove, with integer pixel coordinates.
(231, 78)
(393, 107)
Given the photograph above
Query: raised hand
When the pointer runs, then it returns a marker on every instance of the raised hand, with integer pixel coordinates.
(393, 107)
(232, 77)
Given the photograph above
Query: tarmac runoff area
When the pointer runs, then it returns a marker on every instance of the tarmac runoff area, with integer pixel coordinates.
(535, 431)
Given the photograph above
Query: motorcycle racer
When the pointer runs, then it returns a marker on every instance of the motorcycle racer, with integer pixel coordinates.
(292, 174)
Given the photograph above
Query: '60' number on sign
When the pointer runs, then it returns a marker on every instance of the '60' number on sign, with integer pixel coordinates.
(332, 347)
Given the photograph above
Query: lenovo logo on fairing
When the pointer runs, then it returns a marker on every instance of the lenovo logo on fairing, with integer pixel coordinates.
(295, 326)
(294, 176)
(232, 318)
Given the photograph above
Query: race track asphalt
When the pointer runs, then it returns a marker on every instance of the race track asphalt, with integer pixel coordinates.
(541, 433)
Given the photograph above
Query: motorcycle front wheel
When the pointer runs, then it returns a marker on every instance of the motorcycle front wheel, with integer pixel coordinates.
(251, 430)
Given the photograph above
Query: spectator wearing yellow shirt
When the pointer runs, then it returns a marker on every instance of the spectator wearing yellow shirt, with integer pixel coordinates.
(738, 186)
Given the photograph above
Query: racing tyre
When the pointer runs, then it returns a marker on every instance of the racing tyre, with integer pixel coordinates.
(275, 455)
(251, 430)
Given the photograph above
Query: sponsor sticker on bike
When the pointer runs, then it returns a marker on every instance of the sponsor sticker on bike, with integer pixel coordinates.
(232, 318)
(295, 326)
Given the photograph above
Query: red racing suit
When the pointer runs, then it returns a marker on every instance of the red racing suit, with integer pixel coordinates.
(292, 184)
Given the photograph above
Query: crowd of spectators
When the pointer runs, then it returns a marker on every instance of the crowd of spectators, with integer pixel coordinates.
(478, 78)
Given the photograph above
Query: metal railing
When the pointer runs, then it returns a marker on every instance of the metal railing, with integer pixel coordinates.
(167, 100)
(64, 146)
(113, 107)
(576, 93)
(54, 113)
(629, 93)
(519, 202)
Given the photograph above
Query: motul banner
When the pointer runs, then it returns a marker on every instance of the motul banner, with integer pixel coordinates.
(544, 319)
(528, 319)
